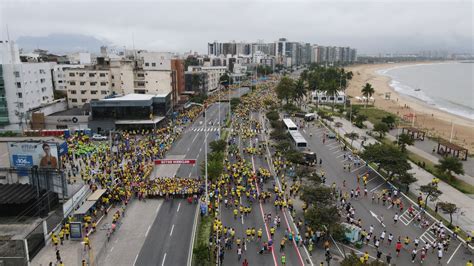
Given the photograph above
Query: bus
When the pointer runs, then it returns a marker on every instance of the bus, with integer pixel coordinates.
(298, 140)
(290, 126)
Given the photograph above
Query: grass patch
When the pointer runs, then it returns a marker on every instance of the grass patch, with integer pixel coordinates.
(374, 115)
(202, 253)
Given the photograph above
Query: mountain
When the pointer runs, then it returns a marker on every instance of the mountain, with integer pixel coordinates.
(61, 43)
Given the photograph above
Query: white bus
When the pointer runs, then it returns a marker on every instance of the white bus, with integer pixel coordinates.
(298, 140)
(290, 126)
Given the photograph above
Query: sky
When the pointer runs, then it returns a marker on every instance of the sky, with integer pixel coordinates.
(178, 26)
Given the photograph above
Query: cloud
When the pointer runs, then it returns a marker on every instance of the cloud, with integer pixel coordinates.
(369, 26)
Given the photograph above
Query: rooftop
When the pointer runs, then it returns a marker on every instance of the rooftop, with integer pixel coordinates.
(136, 97)
(73, 111)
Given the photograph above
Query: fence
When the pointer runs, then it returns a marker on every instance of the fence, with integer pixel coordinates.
(35, 240)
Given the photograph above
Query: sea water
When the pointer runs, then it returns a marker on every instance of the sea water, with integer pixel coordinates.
(446, 86)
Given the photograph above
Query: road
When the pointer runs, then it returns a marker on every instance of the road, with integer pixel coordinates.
(371, 212)
(169, 238)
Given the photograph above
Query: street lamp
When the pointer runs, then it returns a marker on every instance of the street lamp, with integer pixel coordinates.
(205, 150)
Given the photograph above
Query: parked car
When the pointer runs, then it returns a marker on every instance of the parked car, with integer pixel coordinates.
(331, 135)
(98, 137)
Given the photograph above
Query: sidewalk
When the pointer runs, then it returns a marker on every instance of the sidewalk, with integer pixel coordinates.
(72, 252)
(463, 218)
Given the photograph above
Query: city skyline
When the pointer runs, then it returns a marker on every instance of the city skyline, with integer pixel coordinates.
(178, 27)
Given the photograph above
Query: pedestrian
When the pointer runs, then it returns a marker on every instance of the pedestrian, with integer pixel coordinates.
(283, 259)
(440, 255)
(395, 218)
(413, 255)
(388, 258)
(245, 263)
(398, 247)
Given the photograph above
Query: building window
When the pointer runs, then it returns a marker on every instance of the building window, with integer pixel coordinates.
(93, 92)
(73, 83)
(43, 89)
(91, 75)
(113, 76)
(83, 92)
(72, 74)
(41, 71)
(45, 98)
(20, 105)
(113, 84)
(82, 83)
(147, 64)
(73, 92)
(102, 74)
(74, 100)
(103, 92)
(140, 75)
(93, 83)
(153, 64)
(61, 126)
(81, 74)
(18, 85)
(103, 84)
(20, 95)
(84, 100)
(17, 74)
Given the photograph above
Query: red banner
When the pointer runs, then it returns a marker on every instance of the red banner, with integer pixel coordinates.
(171, 161)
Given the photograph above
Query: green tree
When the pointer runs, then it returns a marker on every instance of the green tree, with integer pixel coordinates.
(359, 120)
(367, 91)
(431, 192)
(352, 136)
(225, 80)
(404, 140)
(190, 61)
(448, 208)
(299, 90)
(389, 120)
(273, 115)
(449, 165)
(387, 157)
(353, 260)
(202, 255)
(218, 145)
(406, 179)
(285, 88)
(381, 128)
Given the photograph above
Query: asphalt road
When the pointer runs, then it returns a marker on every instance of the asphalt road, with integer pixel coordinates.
(168, 241)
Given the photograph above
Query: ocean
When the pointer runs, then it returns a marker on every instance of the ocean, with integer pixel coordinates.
(446, 86)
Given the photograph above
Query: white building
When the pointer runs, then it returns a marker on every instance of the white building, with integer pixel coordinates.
(321, 97)
(26, 86)
(214, 73)
(81, 59)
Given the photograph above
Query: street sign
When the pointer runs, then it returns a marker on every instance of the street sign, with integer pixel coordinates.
(171, 161)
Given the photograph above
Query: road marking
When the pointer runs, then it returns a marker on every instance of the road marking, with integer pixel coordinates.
(193, 235)
(377, 218)
(112, 249)
(334, 147)
(157, 208)
(456, 250)
(372, 190)
(135, 261)
(340, 156)
(172, 228)
(357, 169)
(179, 205)
(370, 180)
(164, 258)
(189, 174)
(147, 231)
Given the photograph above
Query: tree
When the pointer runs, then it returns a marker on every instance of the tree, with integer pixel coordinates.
(299, 90)
(431, 191)
(388, 157)
(404, 140)
(190, 61)
(352, 136)
(381, 128)
(225, 80)
(285, 88)
(389, 120)
(448, 208)
(295, 157)
(353, 260)
(450, 165)
(214, 168)
(359, 120)
(273, 115)
(406, 179)
(367, 91)
(218, 145)
(201, 254)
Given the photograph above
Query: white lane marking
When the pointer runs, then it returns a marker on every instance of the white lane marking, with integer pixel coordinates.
(172, 228)
(340, 155)
(193, 235)
(189, 174)
(157, 208)
(357, 169)
(135, 261)
(370, 180)
(456, 250)
(147, 231)
(179, 205)
(334, 147)
(112, 249)
(164, 258)
(372, 190)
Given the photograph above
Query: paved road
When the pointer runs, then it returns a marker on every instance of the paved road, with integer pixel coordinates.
(333, 160)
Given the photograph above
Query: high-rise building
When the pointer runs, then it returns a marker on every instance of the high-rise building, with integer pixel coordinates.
(23, 86)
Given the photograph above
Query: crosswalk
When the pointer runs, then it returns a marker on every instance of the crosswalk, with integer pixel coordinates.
(428, 236)
(406, 218)
(202, 129)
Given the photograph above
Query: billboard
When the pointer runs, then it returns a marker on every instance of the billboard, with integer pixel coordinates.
(29, 154)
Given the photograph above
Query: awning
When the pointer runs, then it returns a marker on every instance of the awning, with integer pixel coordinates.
(84, 207)
(96, 195)
(140, 122)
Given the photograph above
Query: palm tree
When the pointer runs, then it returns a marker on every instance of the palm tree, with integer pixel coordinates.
(367, 91)
(300, 90)
(331, 87)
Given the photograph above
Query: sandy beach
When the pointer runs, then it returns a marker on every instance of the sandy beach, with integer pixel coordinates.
(436, 122)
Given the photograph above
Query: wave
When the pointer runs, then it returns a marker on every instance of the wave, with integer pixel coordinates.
(441, 104)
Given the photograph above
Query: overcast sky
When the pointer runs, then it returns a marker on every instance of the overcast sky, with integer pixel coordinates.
(179, 26)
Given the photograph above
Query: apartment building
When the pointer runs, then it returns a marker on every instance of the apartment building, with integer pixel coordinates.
(59, 75)
(213, 75)
(23, 87)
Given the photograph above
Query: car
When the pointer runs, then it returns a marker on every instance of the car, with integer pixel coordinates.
(331, 135)
(98, 137)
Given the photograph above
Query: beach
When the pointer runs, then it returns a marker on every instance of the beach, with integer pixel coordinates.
(436, 122)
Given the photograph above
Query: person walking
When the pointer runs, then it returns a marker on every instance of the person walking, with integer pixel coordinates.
(283, 259)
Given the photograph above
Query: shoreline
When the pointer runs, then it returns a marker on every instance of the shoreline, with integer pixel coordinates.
(435, 121)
